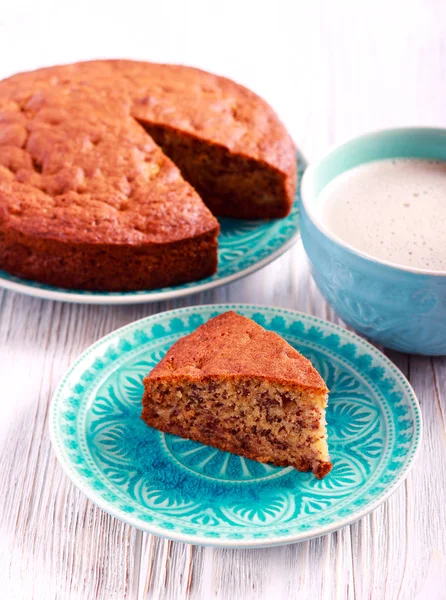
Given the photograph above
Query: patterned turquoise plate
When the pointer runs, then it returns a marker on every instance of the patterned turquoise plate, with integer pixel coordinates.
(193, 493)
(244, 247)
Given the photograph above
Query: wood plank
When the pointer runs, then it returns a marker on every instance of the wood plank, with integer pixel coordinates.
(332, 70)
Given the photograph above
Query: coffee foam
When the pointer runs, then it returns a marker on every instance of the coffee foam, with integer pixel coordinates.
(393, 209)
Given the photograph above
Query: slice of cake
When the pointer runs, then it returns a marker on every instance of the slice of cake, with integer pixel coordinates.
(233, 385)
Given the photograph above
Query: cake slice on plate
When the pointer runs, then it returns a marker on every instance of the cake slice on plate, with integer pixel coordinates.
(233, 385)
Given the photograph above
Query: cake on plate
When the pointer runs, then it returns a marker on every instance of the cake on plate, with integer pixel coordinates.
(233, 385)
(112, 172)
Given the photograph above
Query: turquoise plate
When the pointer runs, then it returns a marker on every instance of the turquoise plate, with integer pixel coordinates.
(193, 493)
(243, 248)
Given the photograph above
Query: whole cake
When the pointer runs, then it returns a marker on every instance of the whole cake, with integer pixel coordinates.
(233, 385)
(110, 172)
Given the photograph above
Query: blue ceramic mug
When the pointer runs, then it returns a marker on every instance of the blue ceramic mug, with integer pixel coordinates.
(400, 307)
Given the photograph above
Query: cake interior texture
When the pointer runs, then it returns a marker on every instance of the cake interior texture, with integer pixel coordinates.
(240, 388)
(266, 422)
(230, 184)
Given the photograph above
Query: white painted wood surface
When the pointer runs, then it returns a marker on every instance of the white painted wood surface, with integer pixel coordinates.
(331, 70)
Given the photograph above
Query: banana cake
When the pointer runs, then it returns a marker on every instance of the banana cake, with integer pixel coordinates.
(112, 172)
(233, 385)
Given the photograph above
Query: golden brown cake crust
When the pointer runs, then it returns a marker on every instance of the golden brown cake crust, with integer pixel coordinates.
(231, 344)
(77, 166)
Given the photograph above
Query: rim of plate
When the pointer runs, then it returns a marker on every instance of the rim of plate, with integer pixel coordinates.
(109, 507)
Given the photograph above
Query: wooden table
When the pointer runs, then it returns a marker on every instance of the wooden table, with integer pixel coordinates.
(332, 71)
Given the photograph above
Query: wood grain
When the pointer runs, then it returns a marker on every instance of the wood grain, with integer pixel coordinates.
(331, 70)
